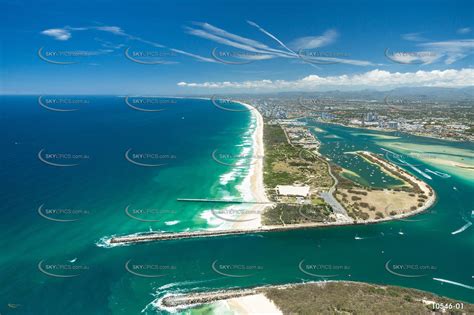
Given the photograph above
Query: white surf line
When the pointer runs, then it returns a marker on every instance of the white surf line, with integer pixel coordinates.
(454, 283)
(462, 228)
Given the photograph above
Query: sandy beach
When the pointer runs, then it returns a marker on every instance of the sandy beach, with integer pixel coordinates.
(253, 304)
(252, 220)
(263, 300)
(238, 301)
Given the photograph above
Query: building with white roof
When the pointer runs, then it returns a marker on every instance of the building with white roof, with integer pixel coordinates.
(287, 190)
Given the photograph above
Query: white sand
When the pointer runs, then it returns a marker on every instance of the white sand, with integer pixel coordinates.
(257, 304)
(256, 178)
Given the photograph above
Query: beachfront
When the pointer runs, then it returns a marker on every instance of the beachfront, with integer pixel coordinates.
(251, 220)
(258, 190)
(311, 297)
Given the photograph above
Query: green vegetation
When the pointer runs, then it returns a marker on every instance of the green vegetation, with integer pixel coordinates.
(288, 165)
(343, 182)
(293, 214)
(359, 298)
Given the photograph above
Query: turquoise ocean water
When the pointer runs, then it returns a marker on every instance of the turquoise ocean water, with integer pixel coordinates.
(96, 193)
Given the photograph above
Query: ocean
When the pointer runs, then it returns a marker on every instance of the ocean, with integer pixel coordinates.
(54, 218)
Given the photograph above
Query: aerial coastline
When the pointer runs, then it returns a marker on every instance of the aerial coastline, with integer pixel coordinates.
(251, 220)
(237, 157)
(312, 295)
(258, 189)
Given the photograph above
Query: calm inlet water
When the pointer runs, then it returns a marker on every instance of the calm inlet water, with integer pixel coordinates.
(99, 196)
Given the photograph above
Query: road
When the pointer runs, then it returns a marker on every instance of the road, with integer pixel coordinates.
(329, 196)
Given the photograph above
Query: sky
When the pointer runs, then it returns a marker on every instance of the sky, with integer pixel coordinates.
(200, 47)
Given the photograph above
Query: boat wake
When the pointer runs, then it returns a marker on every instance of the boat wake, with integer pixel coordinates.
(440, 174)
(405, 163)
(416, 169)
(462, 228)
(357, 237)
(454, 283)
(172, 222)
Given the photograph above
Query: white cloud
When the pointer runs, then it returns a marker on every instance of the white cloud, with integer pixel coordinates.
(111, 29)
(246, 41)
(264, 31)
(197, 57)
(224, 41)
(448, 51)
(57, 33)
(464, 30)
(260, 51)
(311, 42)
(414, 37)
(414, 57)
(223, 37)
(256, 49)
(371, 79)
(65, 34)
(453, 50)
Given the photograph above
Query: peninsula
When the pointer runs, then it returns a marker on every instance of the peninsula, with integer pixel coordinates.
(295, 187)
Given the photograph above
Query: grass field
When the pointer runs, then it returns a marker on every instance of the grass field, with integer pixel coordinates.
(288, 165)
